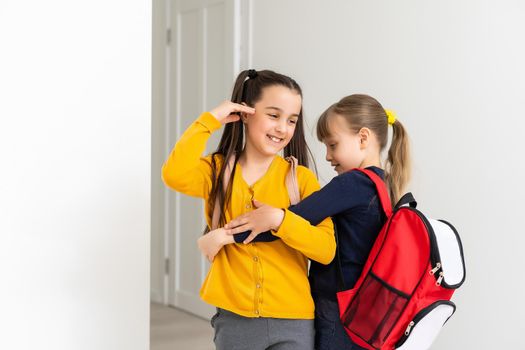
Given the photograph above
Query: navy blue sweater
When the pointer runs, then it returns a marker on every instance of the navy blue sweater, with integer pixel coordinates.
(352, 202)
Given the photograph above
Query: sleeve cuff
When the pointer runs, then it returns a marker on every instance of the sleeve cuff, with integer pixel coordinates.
(290, 222)
(209, 121)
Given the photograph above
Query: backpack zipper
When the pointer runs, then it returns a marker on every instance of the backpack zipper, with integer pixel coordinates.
(420, 315)
(410, 325)
(455, 286)
(435, 258)
(435, 269)
(434, 253)
(433, 272)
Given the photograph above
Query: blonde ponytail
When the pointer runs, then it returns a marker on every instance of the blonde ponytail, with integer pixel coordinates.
(398, 163)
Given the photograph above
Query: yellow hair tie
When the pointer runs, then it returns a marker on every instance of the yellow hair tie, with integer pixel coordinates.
(391, 116)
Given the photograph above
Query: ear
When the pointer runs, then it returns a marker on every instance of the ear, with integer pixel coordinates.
(364, 135)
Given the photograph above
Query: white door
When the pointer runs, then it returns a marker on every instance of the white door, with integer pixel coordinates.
(203, 56)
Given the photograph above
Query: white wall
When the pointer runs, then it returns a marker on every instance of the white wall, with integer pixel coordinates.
(454, 73)
(158, 152)
(75, 174)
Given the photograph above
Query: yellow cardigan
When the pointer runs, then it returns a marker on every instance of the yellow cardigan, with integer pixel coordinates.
(266, 279)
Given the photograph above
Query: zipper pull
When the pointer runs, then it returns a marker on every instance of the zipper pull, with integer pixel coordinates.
(410, 325)
(435, 269)
(440, 278)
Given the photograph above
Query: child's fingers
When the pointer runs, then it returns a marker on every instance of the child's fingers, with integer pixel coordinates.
(200, 245)
(231, 118)
(241, 220)
(237, 107)
(251, 237)
(227, 107)
(239, 229)
(257, 204)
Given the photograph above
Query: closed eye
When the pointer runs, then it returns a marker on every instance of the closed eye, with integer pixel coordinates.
(273, 115)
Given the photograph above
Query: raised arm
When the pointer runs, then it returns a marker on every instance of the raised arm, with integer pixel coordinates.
(185, 170)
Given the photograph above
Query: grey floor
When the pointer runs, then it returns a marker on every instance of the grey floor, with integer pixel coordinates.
(173, 329)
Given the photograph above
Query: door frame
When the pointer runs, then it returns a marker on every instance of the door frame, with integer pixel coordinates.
(166, 131)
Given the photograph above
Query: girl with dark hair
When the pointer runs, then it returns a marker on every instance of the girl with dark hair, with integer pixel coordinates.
(261, 291)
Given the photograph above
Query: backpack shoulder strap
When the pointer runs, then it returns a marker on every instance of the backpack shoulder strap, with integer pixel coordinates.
(291, 181)
(381, 190)
(385, 204)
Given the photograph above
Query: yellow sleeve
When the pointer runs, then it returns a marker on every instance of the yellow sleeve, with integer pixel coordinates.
(315, 242)
(185, 170)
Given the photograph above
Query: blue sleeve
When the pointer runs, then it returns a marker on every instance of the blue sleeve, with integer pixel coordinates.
(261, 237)
(328, 201)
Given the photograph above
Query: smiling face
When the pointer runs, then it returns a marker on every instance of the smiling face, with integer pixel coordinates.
(344, 147)
(272, 126)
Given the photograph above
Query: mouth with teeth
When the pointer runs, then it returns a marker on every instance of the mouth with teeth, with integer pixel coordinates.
(275, 139)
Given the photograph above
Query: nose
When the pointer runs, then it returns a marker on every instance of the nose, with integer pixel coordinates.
(281, 125)
(328, 157)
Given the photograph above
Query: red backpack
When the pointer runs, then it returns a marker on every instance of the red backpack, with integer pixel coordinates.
(402, 298)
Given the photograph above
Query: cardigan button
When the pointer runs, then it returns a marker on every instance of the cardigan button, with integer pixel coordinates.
(255, 259)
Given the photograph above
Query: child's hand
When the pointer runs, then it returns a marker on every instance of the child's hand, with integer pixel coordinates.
(260, 220)
(228, 111)
(212, 242)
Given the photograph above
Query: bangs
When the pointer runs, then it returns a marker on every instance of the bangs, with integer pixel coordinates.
(323, 129)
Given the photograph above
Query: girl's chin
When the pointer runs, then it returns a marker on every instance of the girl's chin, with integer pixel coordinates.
(274, 149)
(340, 170)
(270, 151)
